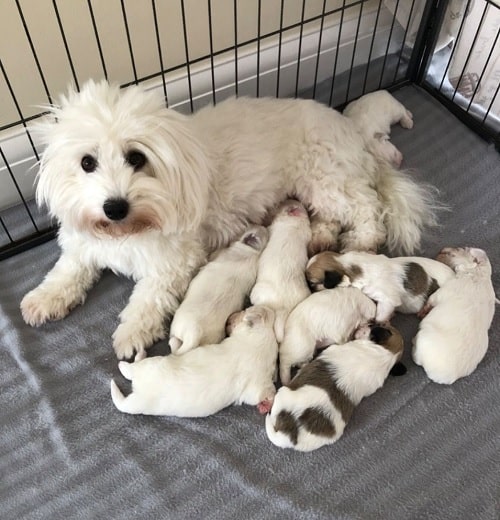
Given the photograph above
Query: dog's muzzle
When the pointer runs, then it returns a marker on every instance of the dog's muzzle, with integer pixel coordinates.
(116, 209)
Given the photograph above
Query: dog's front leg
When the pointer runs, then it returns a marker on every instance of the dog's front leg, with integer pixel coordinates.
(64, 287)
(143, 319)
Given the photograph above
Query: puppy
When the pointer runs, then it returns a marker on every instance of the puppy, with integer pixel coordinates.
(373, 114)
(324, 318)
(315, 408)
(148, 192)
(216, 292)
(402, 284)
(281, 283)
(205, 380)
(453, 337)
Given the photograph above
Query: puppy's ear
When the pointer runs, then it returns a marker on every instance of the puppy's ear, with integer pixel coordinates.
(380, 335)
(332, 279)
(478, 255)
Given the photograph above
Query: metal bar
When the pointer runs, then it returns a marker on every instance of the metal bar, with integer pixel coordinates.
(334, 73)
(187, 64)
(129, 41)
(210, 36)
(29, 242)
(354, 52)
(160, 56)
(6, 230)
(299, 54)
(280, 39)
(404, 41)
(235, 9)
(371, 46)
(66, 47)
(98, 40)
(388, 45)
(319, 48)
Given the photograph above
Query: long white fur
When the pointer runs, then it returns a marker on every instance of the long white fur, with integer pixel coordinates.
(217, 291)
(453, 338)
(324, 318)
(281, 283)
(382, 280)
(373, 114)
(205, 380)
(358, 367)
(206, 177)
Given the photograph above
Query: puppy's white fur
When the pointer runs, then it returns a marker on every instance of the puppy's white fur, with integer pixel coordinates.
(217, 291)
(205, 380)
(314, 410)
(281, 283)
(324, 318)
(400, 284)
(203, 179)
(453, 338)
(373, 114)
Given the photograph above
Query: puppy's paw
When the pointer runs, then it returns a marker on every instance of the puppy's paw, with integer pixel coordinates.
(40, 306)
(397, 158)
(130, 339)
(264, 407)
(407, 120)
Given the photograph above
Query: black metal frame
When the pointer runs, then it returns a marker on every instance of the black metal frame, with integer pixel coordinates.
(413, 71)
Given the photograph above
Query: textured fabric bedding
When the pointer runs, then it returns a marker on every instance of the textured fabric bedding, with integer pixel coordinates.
(414, 449)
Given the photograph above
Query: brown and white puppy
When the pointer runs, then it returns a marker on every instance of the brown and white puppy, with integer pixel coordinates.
(402, 284)
(453, 337)
(281, 283)
(373, 114)
(323, 319)
(205, 380)
(218, 290)
(315, 408)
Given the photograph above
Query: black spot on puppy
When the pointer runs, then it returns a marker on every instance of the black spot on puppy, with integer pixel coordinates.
(380, 335)
(285, 423)
(398, 369)
(332, 279)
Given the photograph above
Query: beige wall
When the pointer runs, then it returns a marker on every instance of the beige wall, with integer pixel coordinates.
(41, 20)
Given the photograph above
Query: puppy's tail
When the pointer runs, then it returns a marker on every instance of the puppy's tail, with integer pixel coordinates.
(408, 208)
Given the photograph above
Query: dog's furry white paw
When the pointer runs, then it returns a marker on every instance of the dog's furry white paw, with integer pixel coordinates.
(39, 306)
(407, 120)
(130, 339)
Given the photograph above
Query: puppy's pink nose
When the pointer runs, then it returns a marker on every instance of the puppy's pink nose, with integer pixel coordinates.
(116, 209)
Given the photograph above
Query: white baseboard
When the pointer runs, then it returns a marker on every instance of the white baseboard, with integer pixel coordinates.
(19, 152)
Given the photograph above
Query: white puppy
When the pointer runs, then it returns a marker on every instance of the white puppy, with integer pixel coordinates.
(281, 283)
(400, 284)
(315, 408)
(373, 114)
(453, 337)
(206, 380)
(324, 318)
(148, 192)
(216, 292)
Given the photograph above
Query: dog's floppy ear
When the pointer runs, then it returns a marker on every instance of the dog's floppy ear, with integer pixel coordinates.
(380, 335)
(332, 279)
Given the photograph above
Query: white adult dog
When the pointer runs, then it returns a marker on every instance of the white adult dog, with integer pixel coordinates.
(216, 292)
(374, 114)
(281, 282)
(453, 337)
(207, 379)
(146, 191)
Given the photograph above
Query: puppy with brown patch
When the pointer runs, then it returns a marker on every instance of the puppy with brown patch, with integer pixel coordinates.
(403, 284)
(323, 319)
(281, 283)
(453, 336)
(315, 408)
(205, 380)
(218, 290)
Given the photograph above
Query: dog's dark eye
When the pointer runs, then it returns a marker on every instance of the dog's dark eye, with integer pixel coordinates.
(89, 163)
(136, 159)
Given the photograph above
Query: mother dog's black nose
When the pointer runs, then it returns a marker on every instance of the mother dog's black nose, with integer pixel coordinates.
(116, 209)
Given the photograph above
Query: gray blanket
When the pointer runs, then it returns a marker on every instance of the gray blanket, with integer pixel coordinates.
(415, 449)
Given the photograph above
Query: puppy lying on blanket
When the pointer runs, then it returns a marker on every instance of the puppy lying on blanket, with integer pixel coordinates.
(216, 292)
(314, 409)
(206, 380)
(453, 337)
(281, 283)
(402, 284)
(373, 114)
(324, 318)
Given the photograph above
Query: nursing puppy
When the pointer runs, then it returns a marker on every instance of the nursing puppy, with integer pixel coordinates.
(216, 292)
(315, 408)
(148, 192)
(373, 114)
(281, 283)
(205, 380)
(396, 284)
(453, 337)
(324, 318)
